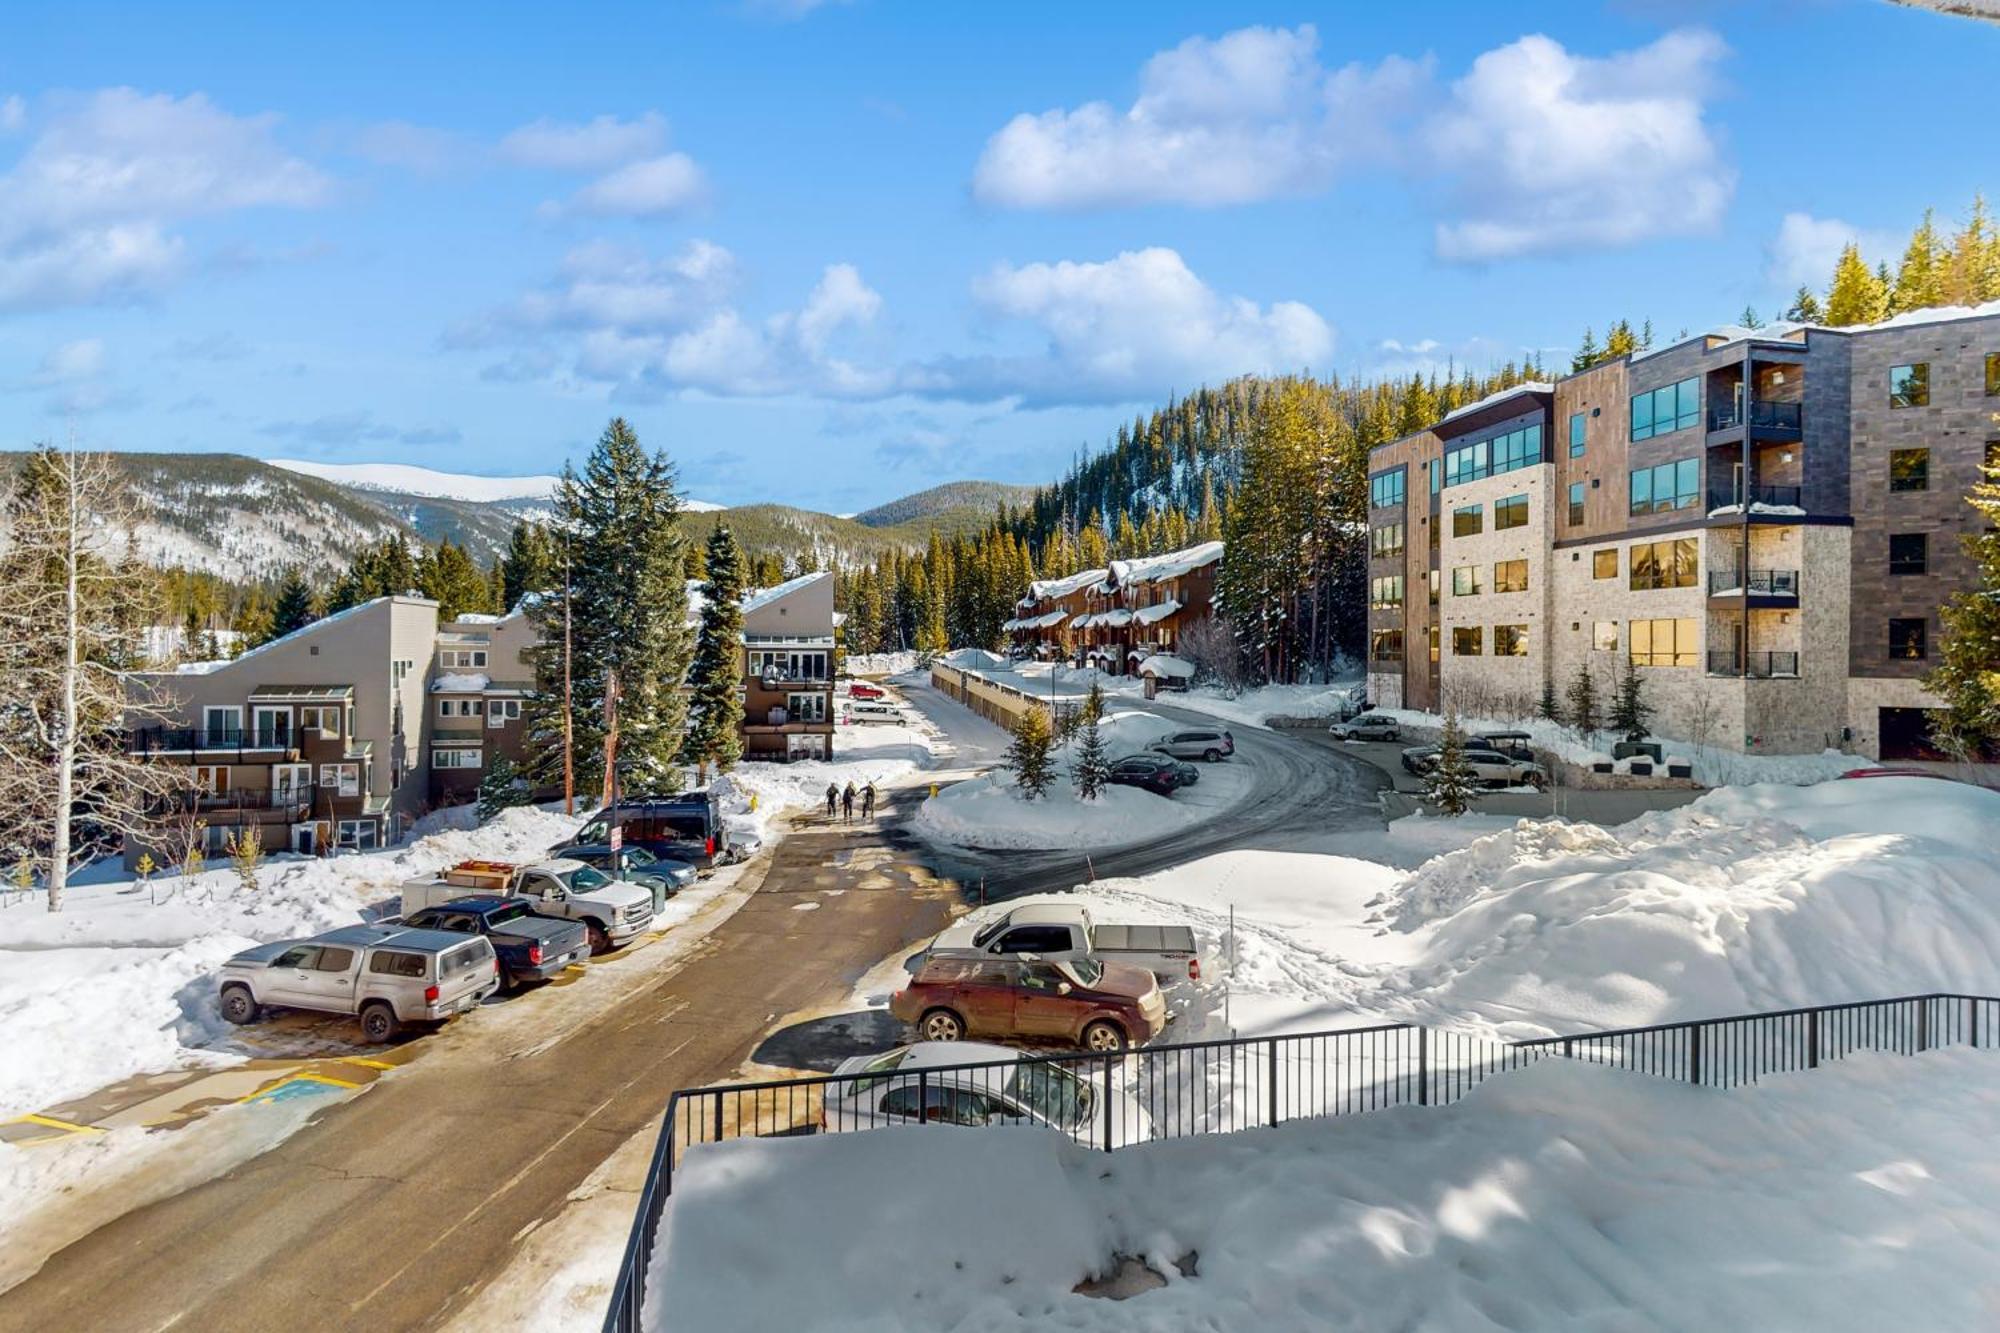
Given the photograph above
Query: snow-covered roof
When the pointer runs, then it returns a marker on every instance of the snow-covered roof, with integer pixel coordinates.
(1155, 568)
(1526, 386)
(1166, 664)
(1056, 589)
(1784, 330)
(763, 597)
(477, 618)
(205, 668)
(1153, 615)
(468, 682)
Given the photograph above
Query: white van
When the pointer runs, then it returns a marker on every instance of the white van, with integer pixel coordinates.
(871, 711)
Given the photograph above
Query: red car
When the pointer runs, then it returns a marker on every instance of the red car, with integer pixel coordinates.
(1093, 1006)
(861, 689)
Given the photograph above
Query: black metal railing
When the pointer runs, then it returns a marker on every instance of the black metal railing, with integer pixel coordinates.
(1216, 1087)
(148, 740)
(1770, 497)
(1757, 666)
(1765, 415)
(1759, 582)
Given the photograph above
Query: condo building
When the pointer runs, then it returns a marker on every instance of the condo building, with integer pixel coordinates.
(1762, 522)
(1116, 617)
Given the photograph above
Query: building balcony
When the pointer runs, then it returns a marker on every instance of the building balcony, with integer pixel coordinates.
(1777, 422)
(1754, 666)
(210, 740)
(1763, 587)
(775, 678)
(1780, 504)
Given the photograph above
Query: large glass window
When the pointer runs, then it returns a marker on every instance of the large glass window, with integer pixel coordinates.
(1468, 520)
(1386, 645)
(1906, 639)
(1386, 489)
(1576, 504)
(1491, 457)
(1664, 565)
(1909, 469)
(1577, 429)
(1510, 511)
(1467, 641)
(1510, 640)
(1675, 407)
(1910, 386)
(1386, 542)
(1604, 564)
(1909, 552)
(1385, 593)
(1465, 581)
(1663, 489)
(1510, 576)
(1604, 636)
(1665, 643)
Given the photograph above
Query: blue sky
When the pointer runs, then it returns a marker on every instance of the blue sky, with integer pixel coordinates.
(829, 253)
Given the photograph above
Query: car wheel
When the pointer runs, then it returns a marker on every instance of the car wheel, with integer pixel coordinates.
(1538, 781)
(1104, 1038)
(378, 1024)
(941, 1025)
(600, 941)
(239, 1006)
(1211, 756)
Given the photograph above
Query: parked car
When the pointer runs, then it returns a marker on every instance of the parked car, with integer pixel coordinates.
(687, 826)
(861, 689)
(1513, 744)
(1367, 727)
(613, 912)
(530, 947)
(1490, 767)
(1156, 773)
(1064, 932)
(662, 875)
(873, 711)
(1208, 744)
(1093, 1006)
(918, 1084)
(385, 975)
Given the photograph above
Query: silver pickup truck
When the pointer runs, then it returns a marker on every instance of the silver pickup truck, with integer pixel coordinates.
(1064, 932)
(613, 911)
(385, 975)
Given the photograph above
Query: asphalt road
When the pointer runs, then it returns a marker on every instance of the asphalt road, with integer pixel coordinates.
(1299, 791)
(392, 1210)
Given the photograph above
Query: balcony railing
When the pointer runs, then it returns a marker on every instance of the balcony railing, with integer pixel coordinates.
(1756, 666)
(1768, 497)
(146, 740)
(1758, 583)
(1770, 416)
(777, 676)
(251, 798)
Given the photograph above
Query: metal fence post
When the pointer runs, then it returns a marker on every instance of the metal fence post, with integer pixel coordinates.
(923, 1097)
(1812, 1039)
(1271, 1073)
(1923, 1025)
(1107, 1103)
(718, 1117)
(1423, 1066)
(1973, 1004)
(1694, 1053)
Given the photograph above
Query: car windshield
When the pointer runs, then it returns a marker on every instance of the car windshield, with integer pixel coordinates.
(1051, 1092)
(500, 916)
(1087, 971)
(987, 932)
(875, 1070)
(585, 878)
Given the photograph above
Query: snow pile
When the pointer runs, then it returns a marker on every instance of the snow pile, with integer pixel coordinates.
(1562, 1196)
(1256, 707)
(880, 753)
(879, 664)
(1499, 395)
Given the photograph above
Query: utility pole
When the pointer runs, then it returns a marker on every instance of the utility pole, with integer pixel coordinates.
(569, 723)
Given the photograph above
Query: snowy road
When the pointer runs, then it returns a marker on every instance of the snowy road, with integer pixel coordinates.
(1299, 794)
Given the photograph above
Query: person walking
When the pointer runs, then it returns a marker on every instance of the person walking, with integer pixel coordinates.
(847, 803)
(832, 796)
(868, 801)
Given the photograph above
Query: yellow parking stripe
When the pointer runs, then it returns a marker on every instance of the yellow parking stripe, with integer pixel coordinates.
(53, 1123)
(365, 1062)
(303, 1076)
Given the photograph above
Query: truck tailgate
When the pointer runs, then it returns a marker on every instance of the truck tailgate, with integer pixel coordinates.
(1143, 939)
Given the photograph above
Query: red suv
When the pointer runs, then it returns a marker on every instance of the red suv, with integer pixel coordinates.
(1095, 1006)
(863, 690)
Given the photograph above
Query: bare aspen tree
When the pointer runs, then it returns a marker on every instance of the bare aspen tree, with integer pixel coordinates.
(75, 602)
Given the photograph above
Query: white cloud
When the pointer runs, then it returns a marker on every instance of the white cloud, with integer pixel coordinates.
(593, 145)
(1247, 116)
(71, 362)
(1128, 328)
(85, 210)
(651, 187)
(1805, 248)
(419, 148)
(1548, 150)
(13, 114)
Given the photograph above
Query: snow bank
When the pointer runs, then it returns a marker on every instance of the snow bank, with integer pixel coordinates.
(1562, 1196)
(879, 664)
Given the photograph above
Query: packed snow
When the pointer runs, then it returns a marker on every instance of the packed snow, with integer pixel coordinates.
(1858, 1196)
(991, 811)
(879, 664)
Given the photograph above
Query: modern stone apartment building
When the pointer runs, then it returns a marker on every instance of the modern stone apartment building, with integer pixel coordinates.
(1764, 522)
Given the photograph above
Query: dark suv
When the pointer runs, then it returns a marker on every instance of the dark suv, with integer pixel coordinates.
(1155, 772)
(687, 827)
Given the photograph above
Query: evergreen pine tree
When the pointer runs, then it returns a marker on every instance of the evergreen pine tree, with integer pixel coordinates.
(627, 610)
(395, 570)
(715, 708)
(1619, 341)
(1090, 763)
(502, 788)
(530, 564)
(1629, 709)
(1582, 713)
(1857, 295)
(1749, 319)
(1450, 786)
(448, 577)
(1028, 755)
(1919, 281)
(1805, 308)
(294, 608)
(1550, 709)
(1972, 263)
(1967, 677)
(1587, 353)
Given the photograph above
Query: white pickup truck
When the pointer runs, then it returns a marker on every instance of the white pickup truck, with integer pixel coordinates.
(612, 910)
(1064, 932)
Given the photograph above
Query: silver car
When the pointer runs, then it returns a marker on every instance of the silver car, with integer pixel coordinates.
(1367, 727)
(1209, 744)
(924, 1083)
(385, 975)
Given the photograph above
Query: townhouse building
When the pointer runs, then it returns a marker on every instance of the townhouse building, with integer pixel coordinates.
(788, 665)
(1763, 522)
(1116, 617)
(482, 675)
(1042, 627)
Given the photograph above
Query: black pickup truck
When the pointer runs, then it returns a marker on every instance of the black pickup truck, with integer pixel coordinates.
(530, 947)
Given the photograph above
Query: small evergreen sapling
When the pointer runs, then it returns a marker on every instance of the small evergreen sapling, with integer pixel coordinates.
(502, 788)
(1090, 769)
(1029, 756)
(1629, 709)
(1583, 716)
(1550, 709)
(1450, 786)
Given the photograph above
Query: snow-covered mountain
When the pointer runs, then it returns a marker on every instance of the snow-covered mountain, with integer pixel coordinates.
(408, 479)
